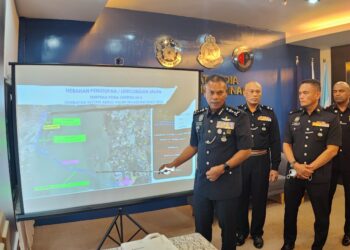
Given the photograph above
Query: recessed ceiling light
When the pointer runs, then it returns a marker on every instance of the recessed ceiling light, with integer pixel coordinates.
(313, 1)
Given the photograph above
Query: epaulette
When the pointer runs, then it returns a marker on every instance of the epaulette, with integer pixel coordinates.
(242, 107)
(296, 111)
(233, 111)
(266, 107)
(199, 111)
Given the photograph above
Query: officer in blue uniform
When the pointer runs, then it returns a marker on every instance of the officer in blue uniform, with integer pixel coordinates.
(221, 137)
(261, 167)
(312, 139)
(341, 167)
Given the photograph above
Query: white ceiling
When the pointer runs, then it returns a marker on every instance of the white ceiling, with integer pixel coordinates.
(80, 10)
(298, 19)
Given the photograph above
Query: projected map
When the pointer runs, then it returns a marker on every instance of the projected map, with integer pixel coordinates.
(80, 139)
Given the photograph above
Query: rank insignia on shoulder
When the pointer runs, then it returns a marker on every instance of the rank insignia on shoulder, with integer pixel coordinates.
(264, 118)
(320, 124)
(235, 112)
(198, 111)
(266, 107)
(296, 111)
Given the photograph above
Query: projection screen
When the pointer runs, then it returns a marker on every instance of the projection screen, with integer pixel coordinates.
(96, 135)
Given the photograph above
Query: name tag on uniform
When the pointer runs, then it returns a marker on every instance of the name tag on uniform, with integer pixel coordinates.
(264, 118)
(225, 125)
(320, 124)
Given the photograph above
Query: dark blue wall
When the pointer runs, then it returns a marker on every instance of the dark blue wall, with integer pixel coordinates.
(131, 35)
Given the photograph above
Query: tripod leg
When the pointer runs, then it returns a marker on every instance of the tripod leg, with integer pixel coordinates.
(114, 222)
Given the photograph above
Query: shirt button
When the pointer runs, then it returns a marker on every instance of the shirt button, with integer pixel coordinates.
(305, 145)
(208, 152)
(306, 137)
(321, 129)
(230, 172)
(307, 129)
(207, 163)
(341, 150)
(252, 124)
(305, 162)
(211, 121)
(309, 121)
(341, 114)
(305, 154)
(209, 131)
(252, 136)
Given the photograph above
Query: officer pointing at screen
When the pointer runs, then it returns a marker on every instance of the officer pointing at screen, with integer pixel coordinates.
(221, 136)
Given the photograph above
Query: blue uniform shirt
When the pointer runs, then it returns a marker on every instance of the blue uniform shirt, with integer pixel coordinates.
(341, 161)
(218, 137)
(265, 132)
(309, 136)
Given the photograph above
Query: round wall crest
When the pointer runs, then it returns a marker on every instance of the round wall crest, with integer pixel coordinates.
(243, 58)
(168, 52)
(210, 54)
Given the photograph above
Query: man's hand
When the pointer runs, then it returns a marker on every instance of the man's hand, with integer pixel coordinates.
(163, 170)
(303, 172)
(273, 175)
(215, 172)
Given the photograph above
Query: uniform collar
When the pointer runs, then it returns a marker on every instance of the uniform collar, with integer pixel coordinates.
(317, 110)
(219, 112)
(246, 108)
(335, 108)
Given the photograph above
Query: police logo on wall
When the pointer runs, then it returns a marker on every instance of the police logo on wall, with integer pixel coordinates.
(243, 58)
(168, 52)
(210, 54)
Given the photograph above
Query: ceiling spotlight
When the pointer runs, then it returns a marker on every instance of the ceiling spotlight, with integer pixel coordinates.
(312, 1)
(285, 2)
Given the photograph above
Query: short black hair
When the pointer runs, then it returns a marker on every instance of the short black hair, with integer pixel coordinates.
(314, 82)
(215, 78)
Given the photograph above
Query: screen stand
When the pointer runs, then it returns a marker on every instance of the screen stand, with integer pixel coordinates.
(120, 228)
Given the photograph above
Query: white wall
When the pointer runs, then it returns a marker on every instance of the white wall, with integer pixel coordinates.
(11, 36)
(5, 188)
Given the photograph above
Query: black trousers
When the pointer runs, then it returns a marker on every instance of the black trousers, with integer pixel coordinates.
(225, 211)
(294, 190)
(255, 170)
(337, 172)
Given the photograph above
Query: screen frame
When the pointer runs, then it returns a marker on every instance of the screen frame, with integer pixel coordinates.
(20, 215)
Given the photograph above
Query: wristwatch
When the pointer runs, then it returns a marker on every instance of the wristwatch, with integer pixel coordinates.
(227, 167)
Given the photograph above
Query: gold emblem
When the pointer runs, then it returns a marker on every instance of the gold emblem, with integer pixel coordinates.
(225, 125)
(168, 52)
(264, 118)
(210, 54)
(320, 124)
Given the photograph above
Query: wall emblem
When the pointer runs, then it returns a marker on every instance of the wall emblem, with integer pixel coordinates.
(243, 58)
(210, 54)
(168, 52)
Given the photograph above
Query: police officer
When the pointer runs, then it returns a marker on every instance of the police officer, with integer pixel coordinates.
(261, 167)
(341, 167)
(312, 139)
(221, 137)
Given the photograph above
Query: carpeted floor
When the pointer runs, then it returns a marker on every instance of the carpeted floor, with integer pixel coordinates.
(178, 221)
